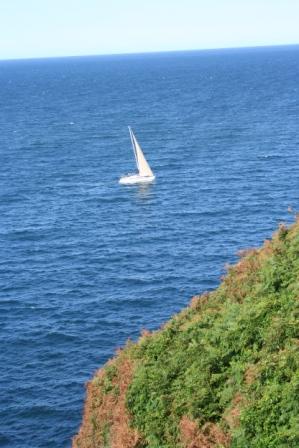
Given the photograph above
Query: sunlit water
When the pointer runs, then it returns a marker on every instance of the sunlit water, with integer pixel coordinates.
(86, 263)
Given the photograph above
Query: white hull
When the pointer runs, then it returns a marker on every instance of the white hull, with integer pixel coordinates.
(136, 179)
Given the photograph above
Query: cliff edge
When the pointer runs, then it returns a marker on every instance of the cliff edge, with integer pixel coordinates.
(222, 373)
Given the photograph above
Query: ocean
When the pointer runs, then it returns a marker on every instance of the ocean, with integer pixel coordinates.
(87, 263)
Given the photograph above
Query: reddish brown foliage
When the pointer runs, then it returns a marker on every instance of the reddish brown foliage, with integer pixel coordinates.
(250, 374)
(241, 276)
(245, 252)
(208, 436)
(145, 333)
(122, 435)
(198, 301)
(105, 414)
(232, 416)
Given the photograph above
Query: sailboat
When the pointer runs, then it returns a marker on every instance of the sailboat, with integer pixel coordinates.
(145, 173)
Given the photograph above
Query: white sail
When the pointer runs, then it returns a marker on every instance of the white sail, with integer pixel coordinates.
(145, 174)
(142, 165)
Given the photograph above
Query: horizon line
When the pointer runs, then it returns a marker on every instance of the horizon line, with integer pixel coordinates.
(149, 52)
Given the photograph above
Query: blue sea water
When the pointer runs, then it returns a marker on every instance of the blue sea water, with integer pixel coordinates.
(86, 263)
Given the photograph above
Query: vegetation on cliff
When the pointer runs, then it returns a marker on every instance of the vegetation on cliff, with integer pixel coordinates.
(222, 373)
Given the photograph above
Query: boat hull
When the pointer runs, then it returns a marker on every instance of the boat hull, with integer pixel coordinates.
(136, 179)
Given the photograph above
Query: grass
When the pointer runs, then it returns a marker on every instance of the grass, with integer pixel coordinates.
(222, 373)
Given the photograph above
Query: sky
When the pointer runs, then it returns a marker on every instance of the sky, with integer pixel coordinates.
(47, 28)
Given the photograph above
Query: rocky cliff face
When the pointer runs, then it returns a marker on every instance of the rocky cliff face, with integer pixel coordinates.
(222, 373)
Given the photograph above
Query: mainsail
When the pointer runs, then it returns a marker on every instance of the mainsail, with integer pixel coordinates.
(142, 165)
